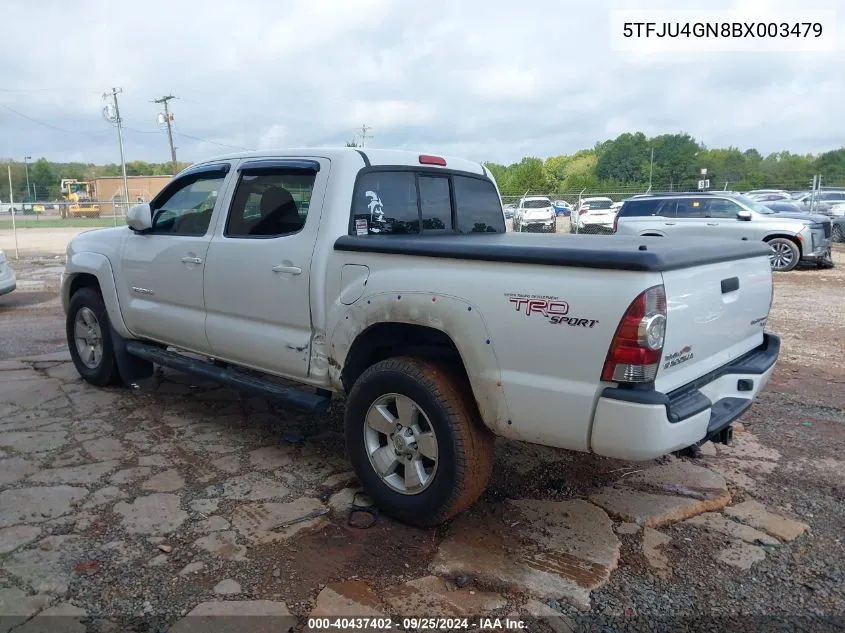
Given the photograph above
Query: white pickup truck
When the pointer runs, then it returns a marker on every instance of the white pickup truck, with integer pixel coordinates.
(389, 277)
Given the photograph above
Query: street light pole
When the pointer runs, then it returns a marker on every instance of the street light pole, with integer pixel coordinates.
(26, 168)
(12, 208)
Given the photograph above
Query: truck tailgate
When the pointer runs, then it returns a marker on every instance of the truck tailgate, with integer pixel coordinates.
(715, 313)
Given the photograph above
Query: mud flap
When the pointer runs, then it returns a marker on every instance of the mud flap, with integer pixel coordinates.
(131, 368)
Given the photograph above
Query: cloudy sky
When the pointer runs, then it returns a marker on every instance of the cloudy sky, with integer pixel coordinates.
(489, 80)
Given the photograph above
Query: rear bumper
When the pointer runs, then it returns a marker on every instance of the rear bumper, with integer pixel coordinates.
(644, 424)
(534, 226)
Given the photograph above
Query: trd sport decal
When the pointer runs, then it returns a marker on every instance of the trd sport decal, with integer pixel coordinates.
(555, 309)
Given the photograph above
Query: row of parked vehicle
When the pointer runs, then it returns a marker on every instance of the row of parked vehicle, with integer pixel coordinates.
(539, 213)
(797, 226)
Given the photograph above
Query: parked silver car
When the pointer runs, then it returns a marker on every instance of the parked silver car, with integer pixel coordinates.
(792, 239)
(822, 201)
(7, 275)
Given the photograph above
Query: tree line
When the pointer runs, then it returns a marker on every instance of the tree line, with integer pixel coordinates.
(45, 175)
(624, 164)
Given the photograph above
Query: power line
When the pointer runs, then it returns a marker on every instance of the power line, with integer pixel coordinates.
(205, 140)
(27, 90)
(48, 125)
(132, 129)
(167, 119)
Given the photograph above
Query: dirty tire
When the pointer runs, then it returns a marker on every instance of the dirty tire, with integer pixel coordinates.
(106, 372)
(465, 446)
(785, 254)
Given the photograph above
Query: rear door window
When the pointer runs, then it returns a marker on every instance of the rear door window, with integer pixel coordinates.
(690, 208)
(639, 208)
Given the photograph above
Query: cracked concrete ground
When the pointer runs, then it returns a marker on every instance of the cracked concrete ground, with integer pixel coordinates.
(179, 501)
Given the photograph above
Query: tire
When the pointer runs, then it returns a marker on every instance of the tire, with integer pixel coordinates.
(837, 234)
(785, 254)
(99, 369)
(464, 448)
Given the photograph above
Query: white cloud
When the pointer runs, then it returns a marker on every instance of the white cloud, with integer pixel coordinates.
(488, 81)
(274, 137)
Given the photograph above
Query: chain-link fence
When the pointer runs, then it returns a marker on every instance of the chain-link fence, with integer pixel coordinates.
(584, 211)
(52, 210)
(576, 213)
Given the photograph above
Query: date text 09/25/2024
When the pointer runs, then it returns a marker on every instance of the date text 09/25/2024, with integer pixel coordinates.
(416, 624)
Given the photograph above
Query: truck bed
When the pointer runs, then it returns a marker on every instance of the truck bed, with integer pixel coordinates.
(615, 252)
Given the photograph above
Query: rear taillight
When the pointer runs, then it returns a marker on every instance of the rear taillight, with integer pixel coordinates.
(637, 346)
(583, 210)
(615, 223)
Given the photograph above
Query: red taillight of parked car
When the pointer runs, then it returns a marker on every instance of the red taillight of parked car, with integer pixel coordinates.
(635, 351)
(583, 210)
(615, 223)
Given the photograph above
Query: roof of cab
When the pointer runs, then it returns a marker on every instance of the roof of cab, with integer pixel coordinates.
(357, 154)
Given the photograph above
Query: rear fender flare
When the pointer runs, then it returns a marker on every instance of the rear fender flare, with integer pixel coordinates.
(461, 321)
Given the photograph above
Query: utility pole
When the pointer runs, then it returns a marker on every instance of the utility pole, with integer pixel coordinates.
(12, 209)
(364, 129)
(650, 169)
(26, 168)
(167, 119)
(115, 118)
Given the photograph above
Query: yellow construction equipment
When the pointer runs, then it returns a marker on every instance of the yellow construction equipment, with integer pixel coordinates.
(79, 199)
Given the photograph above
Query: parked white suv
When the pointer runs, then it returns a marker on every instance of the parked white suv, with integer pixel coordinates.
(535, 213)
(595, 213)
(388, 277)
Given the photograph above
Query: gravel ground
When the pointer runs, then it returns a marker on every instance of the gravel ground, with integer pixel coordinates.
(797, 470)
(801, 413)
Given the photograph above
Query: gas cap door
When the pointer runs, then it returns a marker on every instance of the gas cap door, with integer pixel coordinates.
(353, 279)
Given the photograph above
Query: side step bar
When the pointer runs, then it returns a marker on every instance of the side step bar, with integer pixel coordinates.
(310, 402)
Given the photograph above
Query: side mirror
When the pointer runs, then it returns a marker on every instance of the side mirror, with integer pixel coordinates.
(745, 216)
(140, 217)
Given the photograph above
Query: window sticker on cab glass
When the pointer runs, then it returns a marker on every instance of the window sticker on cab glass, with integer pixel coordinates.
(376, 208)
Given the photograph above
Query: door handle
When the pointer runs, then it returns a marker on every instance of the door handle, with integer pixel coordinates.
(670, 223)
(191, 260)
(712, 224)
(291, 270)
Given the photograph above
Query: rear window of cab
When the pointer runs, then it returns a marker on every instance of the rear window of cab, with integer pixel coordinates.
(402, 202)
